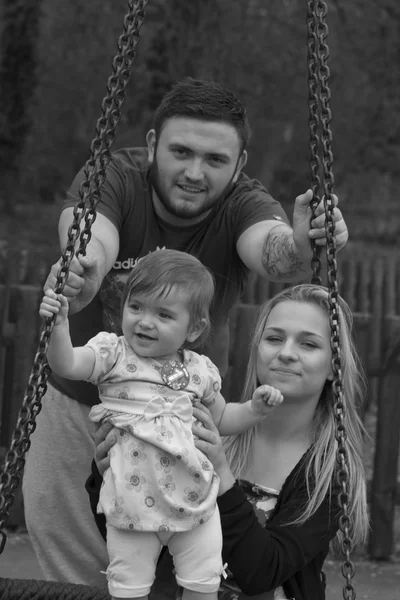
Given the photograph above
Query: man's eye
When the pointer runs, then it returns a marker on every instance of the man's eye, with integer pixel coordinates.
(221, 161)
(179, 152)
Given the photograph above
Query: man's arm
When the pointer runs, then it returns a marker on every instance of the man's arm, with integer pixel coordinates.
(276, 251)
(268, 249)
(86, 273)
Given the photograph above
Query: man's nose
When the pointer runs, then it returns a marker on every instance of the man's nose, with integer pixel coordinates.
(194, 170)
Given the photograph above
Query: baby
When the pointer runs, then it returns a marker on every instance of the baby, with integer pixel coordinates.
(160, 489)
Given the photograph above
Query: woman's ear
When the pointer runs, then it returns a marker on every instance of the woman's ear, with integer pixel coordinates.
(197, 330)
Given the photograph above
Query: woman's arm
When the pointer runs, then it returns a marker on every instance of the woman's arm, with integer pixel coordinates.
(92, 486)
(104, 442)
(262, 558)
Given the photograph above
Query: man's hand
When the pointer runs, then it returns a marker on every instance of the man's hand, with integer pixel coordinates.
(104, 440)
(207, 437)
(303, 230)
(208, 440)
(83, 281)
(265, 399)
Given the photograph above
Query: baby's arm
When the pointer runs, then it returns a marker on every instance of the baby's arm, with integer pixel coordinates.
(236, 417)
(65, 360)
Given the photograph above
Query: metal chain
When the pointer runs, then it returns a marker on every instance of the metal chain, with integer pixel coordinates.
(319, 91)
(89, 196)
(313, 127)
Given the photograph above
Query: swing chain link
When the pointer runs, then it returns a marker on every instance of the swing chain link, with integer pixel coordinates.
(321, 154)
(89, 195)
(313, 126)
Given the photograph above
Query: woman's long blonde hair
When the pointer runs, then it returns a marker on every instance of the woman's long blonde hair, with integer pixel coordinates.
(321, 466)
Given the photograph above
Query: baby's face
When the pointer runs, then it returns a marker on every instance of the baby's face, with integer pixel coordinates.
(157, 326)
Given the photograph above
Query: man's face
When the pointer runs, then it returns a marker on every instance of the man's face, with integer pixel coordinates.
(194, 163)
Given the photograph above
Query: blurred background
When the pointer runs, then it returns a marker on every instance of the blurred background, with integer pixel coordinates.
(55, 58)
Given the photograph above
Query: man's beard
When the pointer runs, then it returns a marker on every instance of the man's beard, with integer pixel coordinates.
(154, 180)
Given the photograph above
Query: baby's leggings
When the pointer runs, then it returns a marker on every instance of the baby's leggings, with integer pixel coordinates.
(133, 558)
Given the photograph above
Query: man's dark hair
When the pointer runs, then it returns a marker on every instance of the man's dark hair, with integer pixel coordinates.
(206, 101)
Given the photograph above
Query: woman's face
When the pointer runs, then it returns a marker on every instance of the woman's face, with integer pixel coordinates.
(294, 353)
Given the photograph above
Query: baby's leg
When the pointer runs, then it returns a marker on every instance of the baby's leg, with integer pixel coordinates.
(133, 559)
(198, 561)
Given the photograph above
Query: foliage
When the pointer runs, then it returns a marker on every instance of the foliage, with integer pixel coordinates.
(18, 70)
(257, 49)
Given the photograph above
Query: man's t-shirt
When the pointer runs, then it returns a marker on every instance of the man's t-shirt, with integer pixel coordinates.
(126, 202)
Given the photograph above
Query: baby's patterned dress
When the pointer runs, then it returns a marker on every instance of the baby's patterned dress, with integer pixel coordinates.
(158, 480)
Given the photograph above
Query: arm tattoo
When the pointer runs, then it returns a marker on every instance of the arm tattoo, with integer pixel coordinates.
(279, 257)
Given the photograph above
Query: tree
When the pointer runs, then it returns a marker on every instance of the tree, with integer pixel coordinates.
(17, 86)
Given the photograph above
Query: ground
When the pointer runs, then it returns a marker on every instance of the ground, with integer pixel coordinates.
(372, 580)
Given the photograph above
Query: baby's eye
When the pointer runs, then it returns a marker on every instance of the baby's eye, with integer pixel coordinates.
(164, 315)
(135, 307)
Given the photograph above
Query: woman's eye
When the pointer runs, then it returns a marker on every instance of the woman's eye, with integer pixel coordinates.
(273, 339)
(309, 345)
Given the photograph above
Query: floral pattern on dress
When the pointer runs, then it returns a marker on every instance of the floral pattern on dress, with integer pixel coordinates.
(157, 473)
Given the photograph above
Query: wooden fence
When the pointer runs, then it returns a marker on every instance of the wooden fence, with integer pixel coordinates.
(370, 285)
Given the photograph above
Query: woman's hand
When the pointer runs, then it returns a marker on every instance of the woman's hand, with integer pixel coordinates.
(209, 441)
(104, 440)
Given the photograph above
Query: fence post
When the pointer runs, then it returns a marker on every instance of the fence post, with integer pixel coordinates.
(384, 484)
(242, 322)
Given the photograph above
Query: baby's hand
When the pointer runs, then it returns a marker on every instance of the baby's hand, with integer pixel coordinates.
(54, 304)
(265, 399)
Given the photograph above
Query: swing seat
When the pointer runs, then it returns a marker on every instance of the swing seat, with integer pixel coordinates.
(32, 589)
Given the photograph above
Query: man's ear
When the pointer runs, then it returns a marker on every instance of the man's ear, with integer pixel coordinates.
(151, 144)
(241, 163)
(197, 330)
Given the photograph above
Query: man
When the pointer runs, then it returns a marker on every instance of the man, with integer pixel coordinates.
(186, 191)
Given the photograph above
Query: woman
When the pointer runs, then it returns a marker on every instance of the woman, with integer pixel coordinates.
(277, 496)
